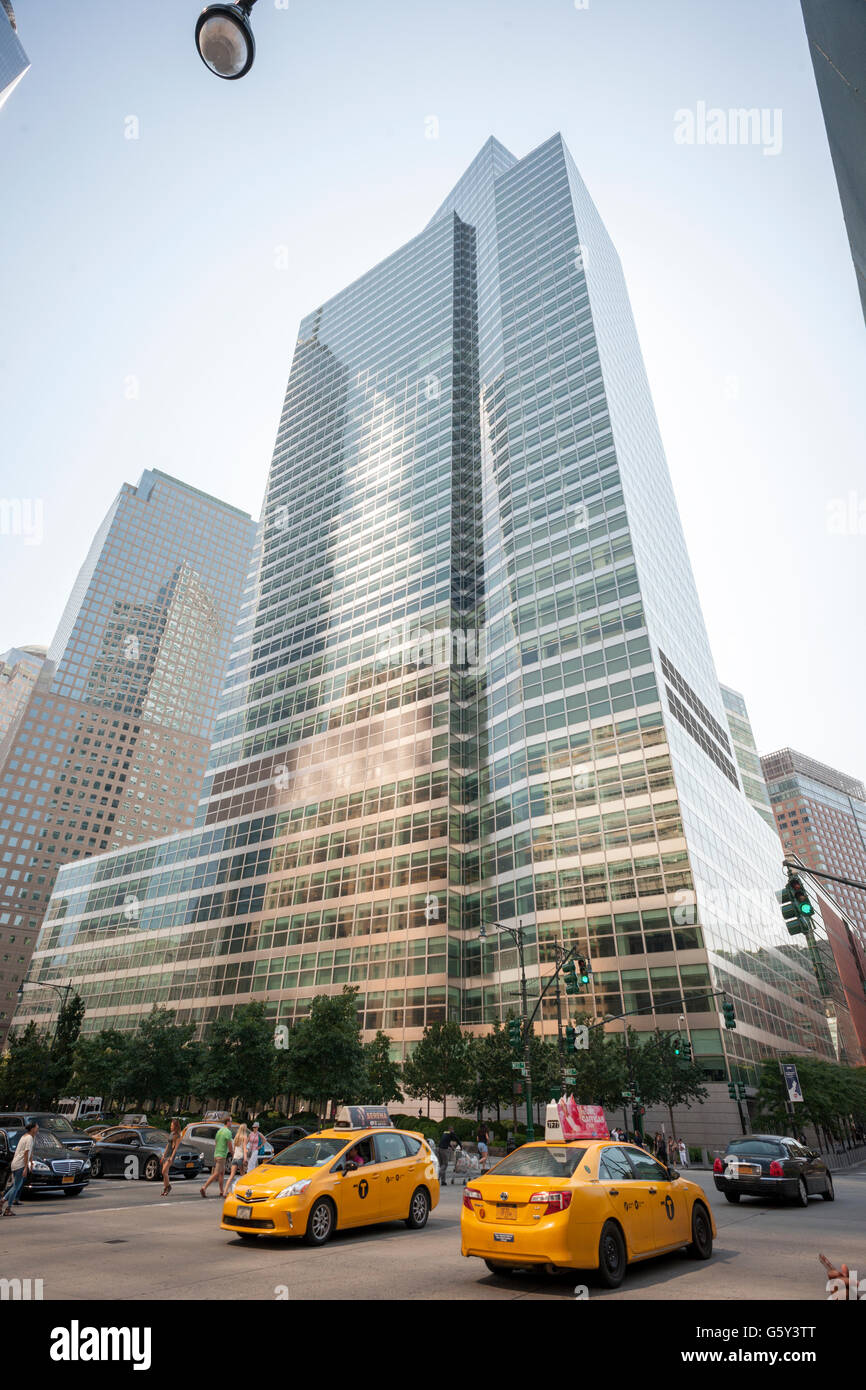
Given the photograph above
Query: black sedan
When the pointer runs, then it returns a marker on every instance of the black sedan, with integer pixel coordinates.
(137, 1153)
(54, 1168)
(769, 1165)
(76, 1141)
(280, 1139)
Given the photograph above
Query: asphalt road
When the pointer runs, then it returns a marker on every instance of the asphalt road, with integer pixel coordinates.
(119, 1240)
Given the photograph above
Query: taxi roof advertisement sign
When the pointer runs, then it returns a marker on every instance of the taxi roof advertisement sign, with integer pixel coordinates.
(568, 1121)
(364, 1117)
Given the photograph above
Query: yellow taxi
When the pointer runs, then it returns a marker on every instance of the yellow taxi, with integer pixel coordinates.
(356, 1174)
(586, 1204)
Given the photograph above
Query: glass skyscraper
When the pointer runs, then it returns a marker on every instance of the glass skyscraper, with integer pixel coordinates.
(13, 60)
(476, 684)
(746, 753)
(108, 743)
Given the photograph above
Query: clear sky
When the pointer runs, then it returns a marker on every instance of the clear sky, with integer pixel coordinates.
(152, 287)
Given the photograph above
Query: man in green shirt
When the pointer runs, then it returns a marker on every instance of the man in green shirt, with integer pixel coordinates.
(222, 1145)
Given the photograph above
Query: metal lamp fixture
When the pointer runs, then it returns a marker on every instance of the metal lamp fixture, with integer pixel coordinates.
(224, 39)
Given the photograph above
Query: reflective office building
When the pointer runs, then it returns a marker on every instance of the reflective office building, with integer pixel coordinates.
(108, 739)
(478, 685)
(13, 60)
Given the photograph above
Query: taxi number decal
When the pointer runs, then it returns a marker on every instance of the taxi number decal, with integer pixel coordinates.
(363, 1187)
(628, 1205)
(669, 1207)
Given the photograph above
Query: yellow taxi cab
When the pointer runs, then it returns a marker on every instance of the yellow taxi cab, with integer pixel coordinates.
(360, 1173)
(593, 1204)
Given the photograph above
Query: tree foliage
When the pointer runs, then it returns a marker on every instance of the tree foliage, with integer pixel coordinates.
(439, 1066)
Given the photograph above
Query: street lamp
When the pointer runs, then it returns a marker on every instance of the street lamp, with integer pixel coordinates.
(224, 39)
(516, 933)
(46, 984)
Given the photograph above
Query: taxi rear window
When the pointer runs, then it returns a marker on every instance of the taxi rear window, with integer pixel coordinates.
(540, 1163)
(311, 1152)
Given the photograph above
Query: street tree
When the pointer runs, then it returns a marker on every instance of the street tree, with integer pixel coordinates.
(26, 1071)
(439, 1065)
(66, 1035)
(325, 1059)
(162, 1059)
(663, 1077)
(600, 1067)
(490, 1077)
(100, 1063)
(383, 1076)
(238, 1059)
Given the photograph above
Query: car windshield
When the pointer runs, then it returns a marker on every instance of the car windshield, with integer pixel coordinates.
(58, 1123)
(540, 1162)
(311, 1152)
(760, 1148)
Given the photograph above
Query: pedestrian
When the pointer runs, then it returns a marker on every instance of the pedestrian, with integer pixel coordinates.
(222, 1144)
(483, 1141)
(239, 1156)
(684, 1154)
(254, 1143)
(661, 1147)
(673, 1152)
(22, 1164)
(447, 1141)
(168, 1156)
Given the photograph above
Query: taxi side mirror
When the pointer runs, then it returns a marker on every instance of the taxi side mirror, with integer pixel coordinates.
(673, 1174)
(350, 1166)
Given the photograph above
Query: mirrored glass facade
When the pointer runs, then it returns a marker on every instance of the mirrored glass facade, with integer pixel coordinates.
(473, 681)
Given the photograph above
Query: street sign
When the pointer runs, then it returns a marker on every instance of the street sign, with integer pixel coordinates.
(519, 1066)
(792, 1081)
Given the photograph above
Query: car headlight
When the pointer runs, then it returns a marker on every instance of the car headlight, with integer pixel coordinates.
(41, 1167)
(295, 1190)
(86, 1168)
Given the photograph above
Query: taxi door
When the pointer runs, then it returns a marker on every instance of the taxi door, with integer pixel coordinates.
(397, 1169)
(628, 1199)
(358, 1195)
(668, 1206)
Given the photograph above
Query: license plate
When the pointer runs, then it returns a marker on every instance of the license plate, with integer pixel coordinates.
(70, 1178)
(244, 1213)
(497, 1235)
(190, 1165)
(506, 1213)
(747, 1170)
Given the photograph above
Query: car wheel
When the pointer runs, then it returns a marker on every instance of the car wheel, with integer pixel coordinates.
(419, 1210)
(320, 1223)
(151, 1169)
(96, 1167)
(733, 1196)
(701, 1247)
(612, 1257)
(830, 1194)
(499, 1267)
(802, 1197)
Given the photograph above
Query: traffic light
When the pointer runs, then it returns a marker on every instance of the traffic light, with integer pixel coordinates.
(732, 1090)
(678, 1047)
(728, 1014)
(585, 971)
(741, 1090)
(514, 1033)
(569, 975)
(687, 1050)
(570, 1038)
(797, 909)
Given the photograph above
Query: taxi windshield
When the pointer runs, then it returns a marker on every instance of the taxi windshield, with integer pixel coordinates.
(540, 1162)
(311, 1152)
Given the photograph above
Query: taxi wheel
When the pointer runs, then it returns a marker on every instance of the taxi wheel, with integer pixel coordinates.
(419, 1210)
(733, 1196)
(701, 1247)
(499, 1267)
(612, 1258)
(320, 1223)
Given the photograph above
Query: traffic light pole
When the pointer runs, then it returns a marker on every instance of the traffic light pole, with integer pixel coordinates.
(560, 960)
(527, 1034)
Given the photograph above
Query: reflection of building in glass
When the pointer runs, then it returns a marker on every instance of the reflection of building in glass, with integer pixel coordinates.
(746, 753)
(19, 671)
(110, 746)
(13, 60)
(467, 444)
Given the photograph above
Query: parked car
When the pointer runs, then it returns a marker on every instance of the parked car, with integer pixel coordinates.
(54, 1167)
(77, 1141)
(201, 1136)
(128, 1152)
(771, 1165)
(280, 1139)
